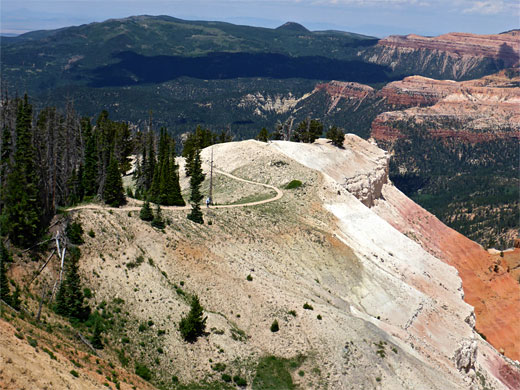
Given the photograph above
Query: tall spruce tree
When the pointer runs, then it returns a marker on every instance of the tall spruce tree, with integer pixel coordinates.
(4, 282)
(174, 188)
(113, 193)
(70, 301)
(90, 172)
(197, 177)
(21, 213)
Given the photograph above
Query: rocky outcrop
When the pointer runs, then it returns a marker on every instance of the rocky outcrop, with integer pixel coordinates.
(423, 321)
(500, 46)
(262, 104)
(494, 295)
(455, 55)
(472, 111)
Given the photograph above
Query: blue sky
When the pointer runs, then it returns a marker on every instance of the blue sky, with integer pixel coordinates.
(371, 17)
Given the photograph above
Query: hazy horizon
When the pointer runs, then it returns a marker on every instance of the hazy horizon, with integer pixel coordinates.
(371, 17)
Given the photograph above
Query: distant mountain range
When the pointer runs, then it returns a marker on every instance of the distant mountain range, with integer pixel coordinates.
(191, 72)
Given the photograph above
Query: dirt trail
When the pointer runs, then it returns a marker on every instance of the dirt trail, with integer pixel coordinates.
(279, 194)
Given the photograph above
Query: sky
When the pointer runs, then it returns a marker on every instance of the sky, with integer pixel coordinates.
(371, 17)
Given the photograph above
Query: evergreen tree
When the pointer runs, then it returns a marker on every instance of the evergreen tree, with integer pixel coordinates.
(154, 191)
(197, 177)
(113, 193)
(90, 173)
(336, 136)
(4, 282)
(173, 187)
(193, 325)
(146, 212)
(158, 221)
(70, 299)
(21, 213)
(149, 168)
(96, 335)
(308, 131)
(263, 135)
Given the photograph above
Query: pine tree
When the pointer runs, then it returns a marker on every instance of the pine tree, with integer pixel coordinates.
(90, 173)
(308, 130)
(158, 221)
(96, 335)
(4, 282)
(197, 177)
(336, 136)
(263, 135)
(193, 325)
(21, 213)
(70, 299)
(154, 192)
(174, 188)
(113, 193)
(146, 212)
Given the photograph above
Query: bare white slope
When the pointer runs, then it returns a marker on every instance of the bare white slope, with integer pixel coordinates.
(417, 297)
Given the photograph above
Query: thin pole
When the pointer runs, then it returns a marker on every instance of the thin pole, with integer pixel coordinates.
(211, 179)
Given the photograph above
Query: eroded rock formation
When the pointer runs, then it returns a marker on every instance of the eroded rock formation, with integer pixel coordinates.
(453, 56)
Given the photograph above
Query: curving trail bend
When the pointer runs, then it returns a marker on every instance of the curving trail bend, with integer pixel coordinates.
(279, 194)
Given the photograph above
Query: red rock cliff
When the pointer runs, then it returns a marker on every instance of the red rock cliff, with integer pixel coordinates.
(472, 111)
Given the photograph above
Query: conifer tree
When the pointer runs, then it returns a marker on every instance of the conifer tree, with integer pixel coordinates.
(70, 299)
(193, 325)
(90, 173)
(146, 212)
(154, 191)
(21, 213)
(197, 177)
(158, 221)
(336, 136)
(4, 282)
(96, 335)
(263, 135)
(113, 193)
(174, 189)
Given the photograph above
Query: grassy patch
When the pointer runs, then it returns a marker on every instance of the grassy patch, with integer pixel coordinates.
(275, 373)
(293, 184)
(216, 385)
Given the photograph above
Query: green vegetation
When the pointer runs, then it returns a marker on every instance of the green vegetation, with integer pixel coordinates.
(263, 136)
(196, 179)
(336, 136)
(20, 217)
(471, 187)
(74, 233)
(143, 371)
(275, 373)
(146, 213)
(4, 282)
(158, 221)
(274, 326)
(74, 373)
(306, 306)
(193, 325)
(293, 184)
(249, 278)
(113, 192)
(134, 264)
(70, 299)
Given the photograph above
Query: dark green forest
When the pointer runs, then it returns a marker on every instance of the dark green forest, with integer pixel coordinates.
(471, 187)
